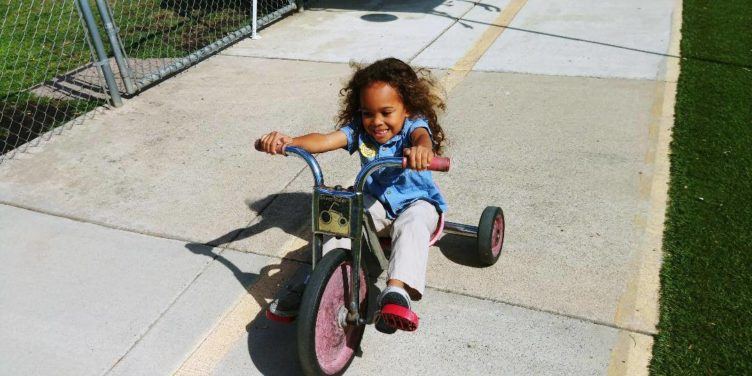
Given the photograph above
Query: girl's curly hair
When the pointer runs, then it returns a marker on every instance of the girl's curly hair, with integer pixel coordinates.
(417, 89)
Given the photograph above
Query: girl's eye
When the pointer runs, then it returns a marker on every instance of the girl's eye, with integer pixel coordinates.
(385, 114)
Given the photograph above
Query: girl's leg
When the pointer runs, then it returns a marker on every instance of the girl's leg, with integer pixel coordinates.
(411, 234)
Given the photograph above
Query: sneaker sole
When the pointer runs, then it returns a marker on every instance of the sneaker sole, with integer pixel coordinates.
(399, 317)
(282, 319)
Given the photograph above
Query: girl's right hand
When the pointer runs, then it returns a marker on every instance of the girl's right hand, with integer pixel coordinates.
(274, 142)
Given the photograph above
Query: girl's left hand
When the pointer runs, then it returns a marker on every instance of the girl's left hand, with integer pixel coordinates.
(418, 157)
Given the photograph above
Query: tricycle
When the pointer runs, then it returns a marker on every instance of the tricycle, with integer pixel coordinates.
(334, 306)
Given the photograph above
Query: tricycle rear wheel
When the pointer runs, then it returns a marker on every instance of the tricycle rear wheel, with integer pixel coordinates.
(327, 343)
(490, 235)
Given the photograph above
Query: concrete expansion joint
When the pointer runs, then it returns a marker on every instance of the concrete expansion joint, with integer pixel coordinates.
(282, 59)
(161, 314)
(94, 222)
(456, 20)
(550, 312)
(159, 235)
(616, 79)
(223, 247)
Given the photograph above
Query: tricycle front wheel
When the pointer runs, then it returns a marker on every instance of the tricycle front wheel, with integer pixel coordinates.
(490, 235)
(327, 343)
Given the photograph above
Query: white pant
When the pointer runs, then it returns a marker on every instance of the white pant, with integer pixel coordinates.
(410, 232)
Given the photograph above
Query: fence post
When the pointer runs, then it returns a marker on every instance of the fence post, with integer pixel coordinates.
(254, 20)
(104, 63)
(117, 49)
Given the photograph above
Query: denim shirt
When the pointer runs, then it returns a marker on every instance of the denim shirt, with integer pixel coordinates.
(395, 188)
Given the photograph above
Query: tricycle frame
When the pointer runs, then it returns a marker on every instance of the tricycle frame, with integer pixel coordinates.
(360, 224)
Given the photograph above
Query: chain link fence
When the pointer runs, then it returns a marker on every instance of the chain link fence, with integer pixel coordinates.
(59, 59)
(46, 73)
(161, 37)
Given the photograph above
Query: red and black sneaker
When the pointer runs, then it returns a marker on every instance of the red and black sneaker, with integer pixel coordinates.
(395, 312)
(284, 308)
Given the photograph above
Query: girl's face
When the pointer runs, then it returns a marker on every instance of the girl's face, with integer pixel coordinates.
(382, 111)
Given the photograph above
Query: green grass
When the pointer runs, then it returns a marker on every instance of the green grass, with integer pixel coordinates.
(43, 39)
(158, 29)
(706, 282)
(48, 36)
(39, 40)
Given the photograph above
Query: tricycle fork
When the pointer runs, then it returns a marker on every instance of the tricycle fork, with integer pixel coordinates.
(356, 241)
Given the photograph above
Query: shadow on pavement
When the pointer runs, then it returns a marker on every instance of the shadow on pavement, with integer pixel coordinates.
(271, 345)
(394, 6)
(429, 7)
(460, 250)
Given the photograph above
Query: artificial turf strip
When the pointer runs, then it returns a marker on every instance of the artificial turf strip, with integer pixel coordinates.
(705, 323)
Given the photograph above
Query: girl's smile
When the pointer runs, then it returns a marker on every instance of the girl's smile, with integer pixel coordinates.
(382, 110)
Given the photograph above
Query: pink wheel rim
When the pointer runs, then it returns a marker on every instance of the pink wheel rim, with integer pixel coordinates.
(497, 236)
(335, 344)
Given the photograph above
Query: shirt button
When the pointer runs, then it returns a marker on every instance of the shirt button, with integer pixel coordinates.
(388, 191)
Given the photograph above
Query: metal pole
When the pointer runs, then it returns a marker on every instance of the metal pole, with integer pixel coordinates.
(254, 21)
(460, 229)
(117, 49)
(103, 62)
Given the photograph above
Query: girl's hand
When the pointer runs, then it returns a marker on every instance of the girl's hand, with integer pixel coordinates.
(418, 157)
(274, 142)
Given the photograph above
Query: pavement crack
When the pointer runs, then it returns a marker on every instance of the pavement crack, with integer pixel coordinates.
(456, 20)
(286, 59)
(547, 311)
(227, 247)
(162, 314)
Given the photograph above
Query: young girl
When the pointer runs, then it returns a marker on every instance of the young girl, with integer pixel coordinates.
(388, 110)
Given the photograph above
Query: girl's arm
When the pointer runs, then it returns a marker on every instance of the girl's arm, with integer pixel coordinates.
(312, 142)
(419, 156)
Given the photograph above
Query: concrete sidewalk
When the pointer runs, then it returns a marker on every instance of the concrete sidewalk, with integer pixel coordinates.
(562, 119)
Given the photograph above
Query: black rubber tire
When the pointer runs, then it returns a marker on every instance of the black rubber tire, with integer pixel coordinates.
(309, 309)
(485, 235)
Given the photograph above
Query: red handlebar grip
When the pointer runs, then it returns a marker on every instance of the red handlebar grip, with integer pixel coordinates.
(440, 164)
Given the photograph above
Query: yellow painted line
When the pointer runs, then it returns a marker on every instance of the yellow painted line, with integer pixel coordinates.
(464, 65)
(235, 325)
(638, 307)
(222, 338)
(631, 354)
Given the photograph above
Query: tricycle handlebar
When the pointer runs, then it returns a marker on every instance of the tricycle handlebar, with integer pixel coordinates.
(441, 164)
(318, 177)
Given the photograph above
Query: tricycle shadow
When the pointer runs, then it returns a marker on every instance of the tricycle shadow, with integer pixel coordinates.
(459, 250)
(271, 345)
